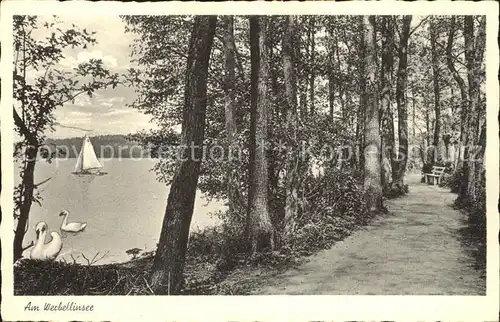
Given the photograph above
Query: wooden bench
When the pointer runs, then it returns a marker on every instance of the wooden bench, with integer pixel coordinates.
(435, 176)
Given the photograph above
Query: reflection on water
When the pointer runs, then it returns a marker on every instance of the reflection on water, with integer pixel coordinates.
(123, 209)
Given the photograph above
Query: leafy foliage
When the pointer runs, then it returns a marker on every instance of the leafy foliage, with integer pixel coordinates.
(335, 207)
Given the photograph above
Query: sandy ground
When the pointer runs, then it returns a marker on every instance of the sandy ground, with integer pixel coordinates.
(416, 249)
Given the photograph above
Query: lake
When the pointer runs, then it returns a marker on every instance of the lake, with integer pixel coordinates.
(123, 209)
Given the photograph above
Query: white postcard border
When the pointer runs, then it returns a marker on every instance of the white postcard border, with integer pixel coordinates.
(236, 308)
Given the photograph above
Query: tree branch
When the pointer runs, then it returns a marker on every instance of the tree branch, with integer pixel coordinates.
(449, 61)
(24, 130)
(30, 245)
(417, 26)
(42, 182)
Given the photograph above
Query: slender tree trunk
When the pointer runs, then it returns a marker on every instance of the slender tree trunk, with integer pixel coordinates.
(302, 74)
(331, 68)
(168, 265)
(254, 82)
(276, 109)
(338, 70)
(360, 140)
(387, 120)
(261, 233)
(427, 123)
(479, 125)
(289, 66)
(229, 79)
(437, 94)
(413, 116)
(28, 179)
(474, 48)
(390, 165)
(312, 33)
(230, 109)
(372, 168)
(463, 89)
(28, 186)
(346, 101)
(402, 79)
(331, 92)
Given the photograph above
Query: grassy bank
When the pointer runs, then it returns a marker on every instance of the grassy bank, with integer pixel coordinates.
(205, 274)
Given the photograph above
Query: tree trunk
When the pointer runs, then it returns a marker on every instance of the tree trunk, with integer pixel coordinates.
(437, 108)
(413, 114)
(254, 82)
(427, 123)
(338, 69)
(230, 108)
(260, 230)
(312, 62)
(372, 168)
(331, 92)
(474, 49)
(292, 163)
(331, 69)
(275, 209)
(168, 265)
(461, 85)
(402, 79)
(387, 119)
(360, 141)
(28, 186)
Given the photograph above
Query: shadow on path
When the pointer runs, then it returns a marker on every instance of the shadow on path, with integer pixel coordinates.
(419, 248)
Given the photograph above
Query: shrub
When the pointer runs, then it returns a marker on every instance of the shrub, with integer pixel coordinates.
(395, 191)
(335, 207)
(452, 180)
(223, 244)
(476, 206)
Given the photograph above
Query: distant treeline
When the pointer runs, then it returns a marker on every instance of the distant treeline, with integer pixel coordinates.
(105, 146)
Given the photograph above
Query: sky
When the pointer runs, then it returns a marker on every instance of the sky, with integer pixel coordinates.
(106, 112)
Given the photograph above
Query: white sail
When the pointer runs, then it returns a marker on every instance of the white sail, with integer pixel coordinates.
(78, 165)
(87, 160)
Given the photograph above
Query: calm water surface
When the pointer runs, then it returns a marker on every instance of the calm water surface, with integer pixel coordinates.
(123, 209)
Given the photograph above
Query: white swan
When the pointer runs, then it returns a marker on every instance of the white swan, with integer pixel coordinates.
(72, 227)
(43, 251)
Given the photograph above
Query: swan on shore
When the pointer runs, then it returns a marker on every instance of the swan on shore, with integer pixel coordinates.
(72, 227)
(43, 251)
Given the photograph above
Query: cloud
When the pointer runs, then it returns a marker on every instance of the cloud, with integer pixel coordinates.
(82, 100)
(117, 99)
(116, 112)
(109, 102)
(97, 119)
(109, 61)
(80, 114)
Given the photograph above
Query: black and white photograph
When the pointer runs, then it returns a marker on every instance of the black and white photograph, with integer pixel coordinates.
(249, 154)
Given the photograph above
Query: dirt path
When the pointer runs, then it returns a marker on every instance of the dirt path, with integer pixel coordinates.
(417, 249)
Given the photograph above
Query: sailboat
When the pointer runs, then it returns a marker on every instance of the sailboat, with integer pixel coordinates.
(87, 162)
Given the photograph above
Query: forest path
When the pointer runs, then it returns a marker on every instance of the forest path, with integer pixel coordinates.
(416, 249)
